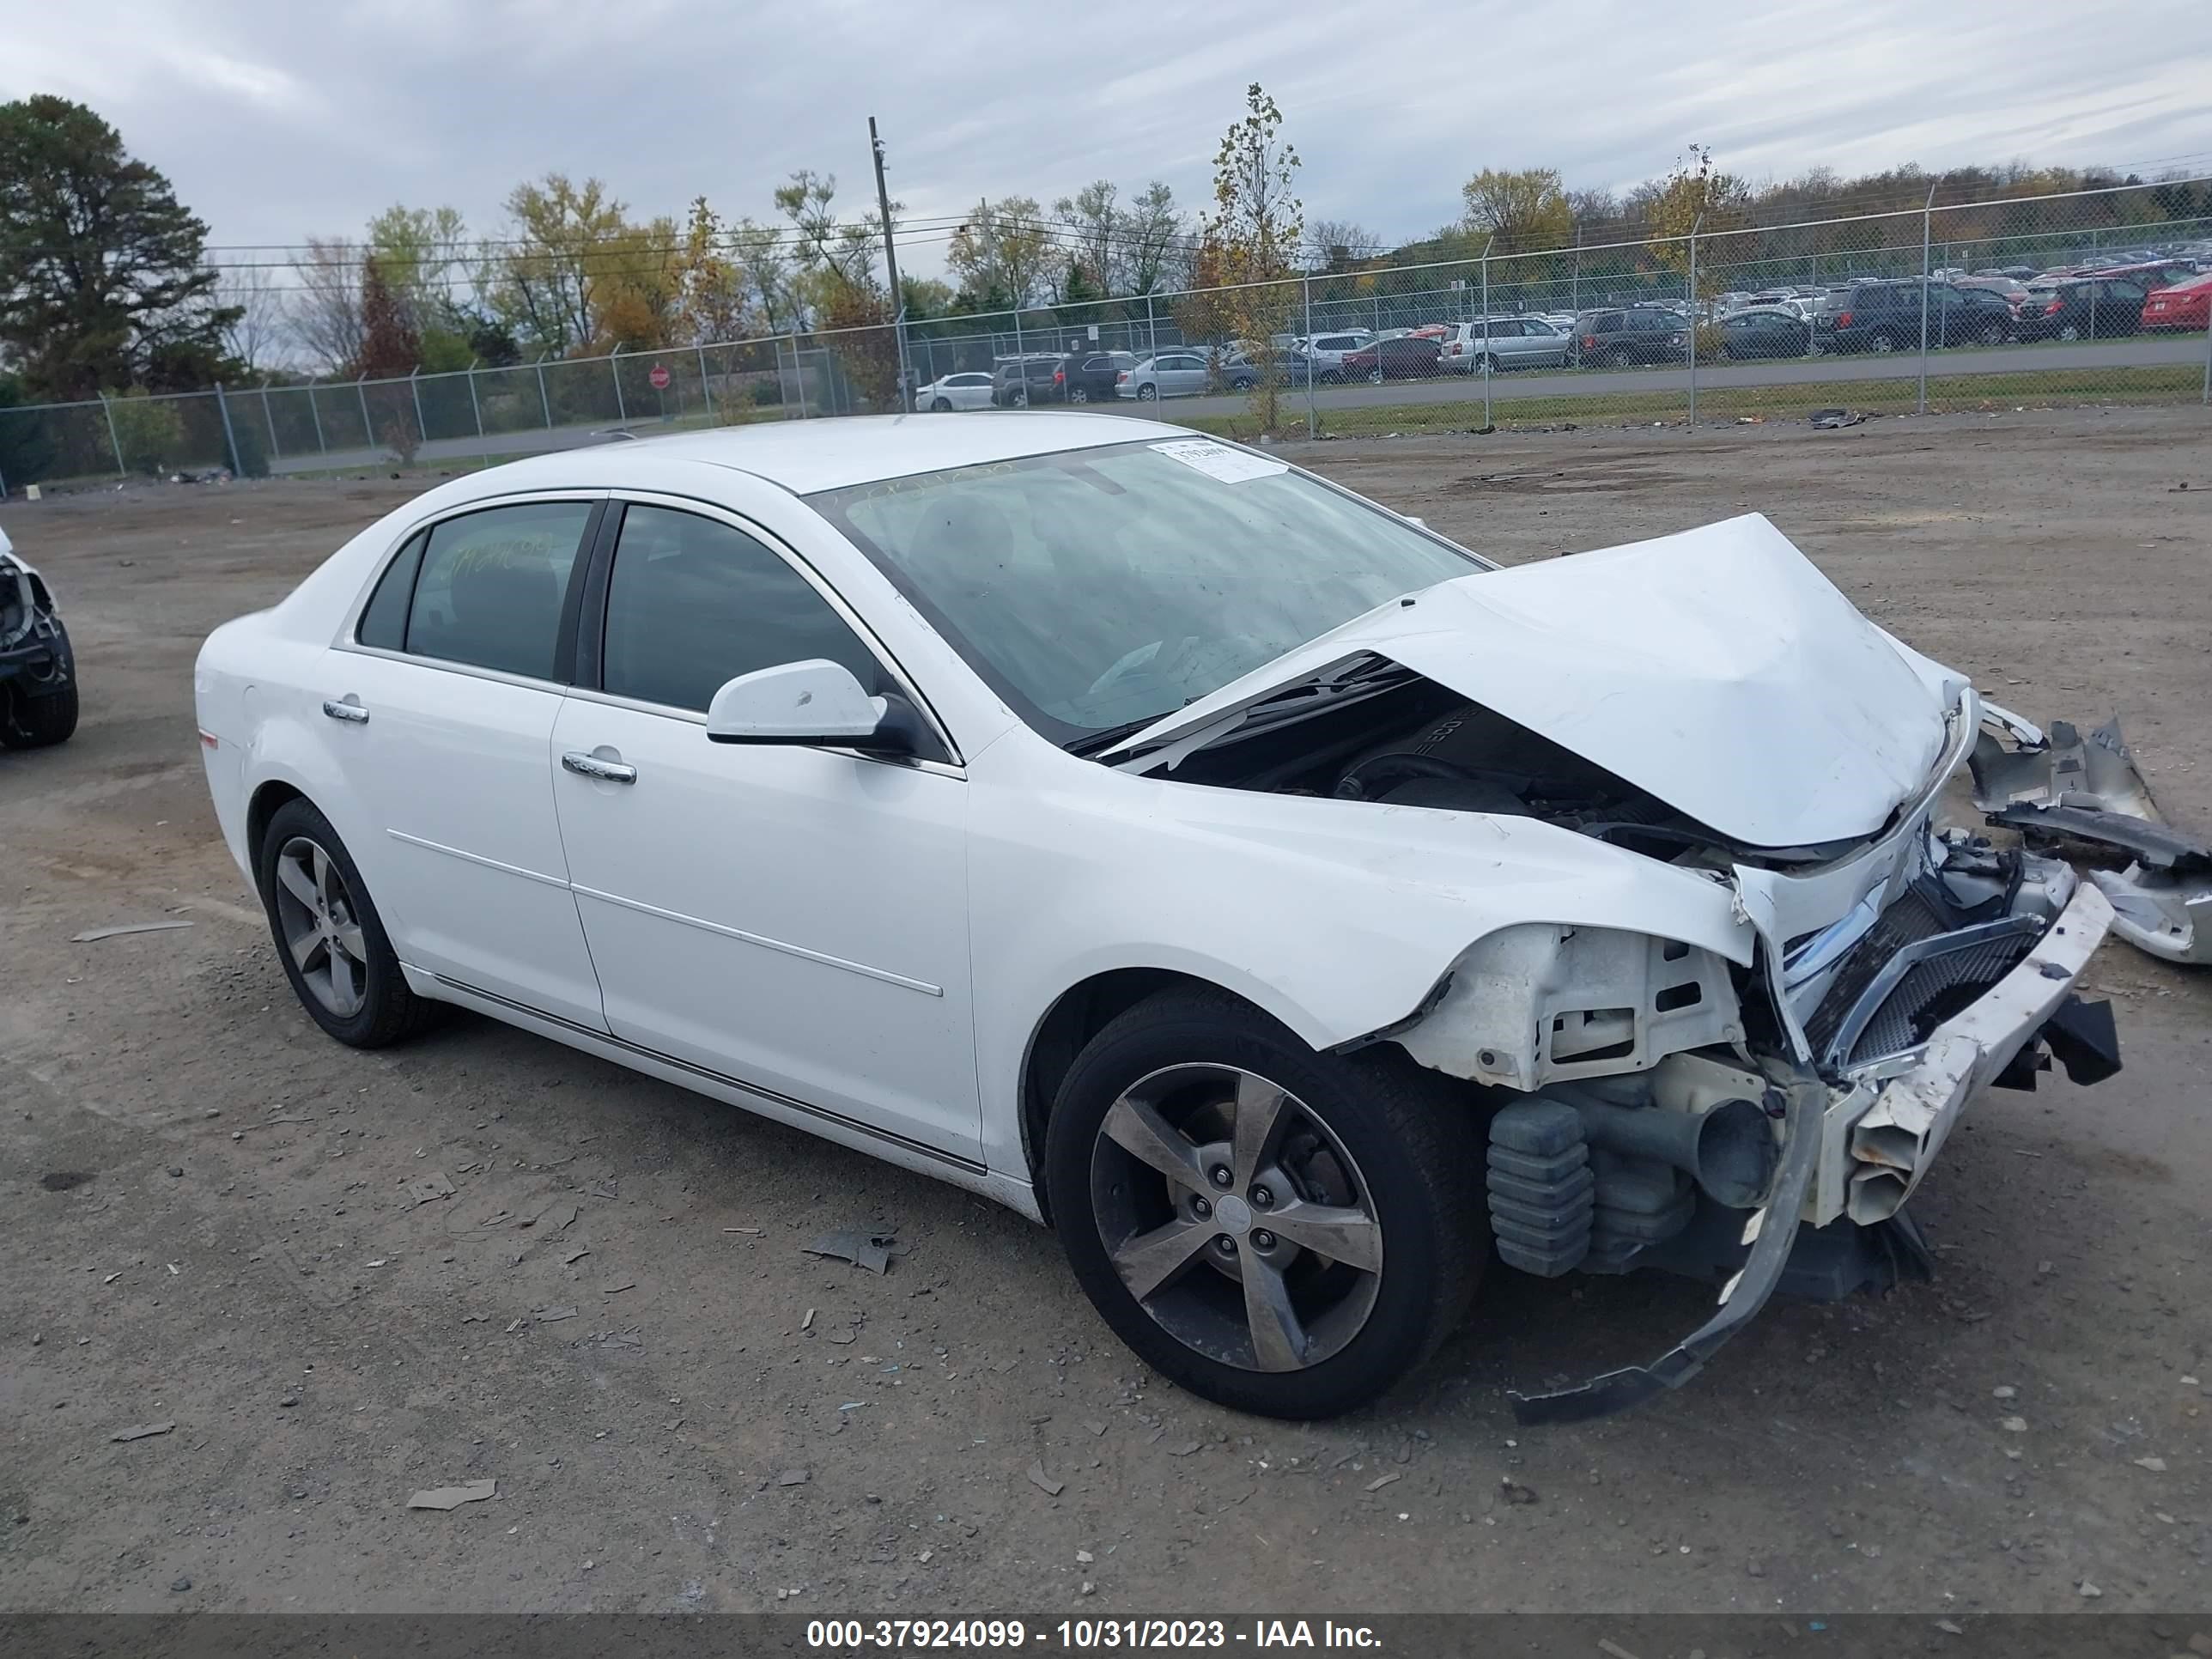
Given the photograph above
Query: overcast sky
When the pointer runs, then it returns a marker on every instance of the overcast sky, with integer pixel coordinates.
(277, 120)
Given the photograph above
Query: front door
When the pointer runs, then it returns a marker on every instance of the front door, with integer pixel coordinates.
(441, 710)
(791, 917)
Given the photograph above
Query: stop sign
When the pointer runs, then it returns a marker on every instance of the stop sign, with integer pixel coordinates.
(659, 377)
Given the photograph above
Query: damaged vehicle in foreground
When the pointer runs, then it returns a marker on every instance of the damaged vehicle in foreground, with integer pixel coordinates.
(1291, 908)
(38, 670)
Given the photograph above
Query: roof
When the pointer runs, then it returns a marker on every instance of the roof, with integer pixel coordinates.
(808, 455)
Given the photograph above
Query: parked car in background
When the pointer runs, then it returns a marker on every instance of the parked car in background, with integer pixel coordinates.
(1619, 337)
(38, 669)
(1504, 343)
(2082, 308)
(1018, 382)
(1093, 376)
(1887, 316)
(1180, 373)
(1766, 331)
(1329, 352)
(969, 389)
(2183, 305)
(2151, 273)
(1404, 357)
(2010, 290)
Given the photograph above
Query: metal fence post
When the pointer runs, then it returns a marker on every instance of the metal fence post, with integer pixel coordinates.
(1313, 416)
(1695, 225)
(1151, 330)
(367, 427)
(415, 386)
(706, 394)
(2207, 356)
(268, 415)
(121, 467)
(229, 437)
(543, 402)
(1487, 420)
(799, 374)
(1927, 279)
(1575, 281)
(622, 409)
(316, 416)
(475, 408)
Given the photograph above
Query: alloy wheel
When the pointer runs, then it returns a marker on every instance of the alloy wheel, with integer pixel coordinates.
(316, 913)
(1236, 1217)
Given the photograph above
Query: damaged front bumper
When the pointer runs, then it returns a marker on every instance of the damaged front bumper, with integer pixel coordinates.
(1856, 1143)
(2086, 797)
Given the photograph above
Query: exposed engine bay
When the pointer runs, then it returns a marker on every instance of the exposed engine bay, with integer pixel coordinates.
(1388, 735)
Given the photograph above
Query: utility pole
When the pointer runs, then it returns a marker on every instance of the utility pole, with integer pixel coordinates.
(890, 268)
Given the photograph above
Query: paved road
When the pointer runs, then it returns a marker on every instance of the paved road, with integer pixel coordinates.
(2145, 352)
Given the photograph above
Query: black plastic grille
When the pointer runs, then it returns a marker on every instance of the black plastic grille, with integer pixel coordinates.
(1907, 921)
(1932, 992)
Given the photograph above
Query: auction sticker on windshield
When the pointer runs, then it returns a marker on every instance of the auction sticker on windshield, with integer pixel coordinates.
(1220, 460)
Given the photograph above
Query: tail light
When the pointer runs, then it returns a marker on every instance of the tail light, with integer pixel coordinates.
(2054, 307)
(1122, 379)
(1589, 343)
(1843, 319)
(1059, 377)
(1456, 349)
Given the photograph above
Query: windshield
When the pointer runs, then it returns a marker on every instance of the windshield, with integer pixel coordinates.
(1099, 588)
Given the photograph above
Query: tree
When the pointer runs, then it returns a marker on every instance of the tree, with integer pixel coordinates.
(1091, 228)
(256, 335)
(1254, 232)
(1152, 235)
(545, 286)
(422, 253)
(391, 350)
(1002, 254)
(101, 283)
(716, 298)
(848, 251)
(1523, 212)
(325, 313)
(1693, 197)
(765, 263)
(1340, 245)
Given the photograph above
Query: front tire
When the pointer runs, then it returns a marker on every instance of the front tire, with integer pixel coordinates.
(329, 936)
(943, 405)
(1279, 1231)
(39, 713)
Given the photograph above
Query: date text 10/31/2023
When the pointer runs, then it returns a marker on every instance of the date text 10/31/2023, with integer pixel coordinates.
(1081, 1635)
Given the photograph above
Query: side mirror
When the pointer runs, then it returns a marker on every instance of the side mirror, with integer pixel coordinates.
(816, 703)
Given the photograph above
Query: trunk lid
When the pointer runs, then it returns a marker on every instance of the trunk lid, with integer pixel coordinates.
(1716, 669)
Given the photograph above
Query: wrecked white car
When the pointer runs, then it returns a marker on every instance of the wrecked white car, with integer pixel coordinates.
(1297, 912)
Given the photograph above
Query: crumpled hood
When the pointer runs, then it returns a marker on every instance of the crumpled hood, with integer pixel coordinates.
(1716, 669)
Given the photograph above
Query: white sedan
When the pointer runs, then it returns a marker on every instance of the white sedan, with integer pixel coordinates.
(1163, 842)
(966, 389)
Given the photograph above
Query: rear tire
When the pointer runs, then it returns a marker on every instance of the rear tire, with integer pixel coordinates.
(329, 936)
(39, 713)
(1367, 1153)
(1148, 394)
(1079, 395)
(1620, 357)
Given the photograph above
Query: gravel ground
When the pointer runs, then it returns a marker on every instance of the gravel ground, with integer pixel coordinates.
(206, 1223)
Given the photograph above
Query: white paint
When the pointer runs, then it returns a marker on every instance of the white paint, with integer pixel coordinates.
(867, 948)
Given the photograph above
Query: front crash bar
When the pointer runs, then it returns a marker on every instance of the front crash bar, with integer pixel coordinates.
(1742, 1297)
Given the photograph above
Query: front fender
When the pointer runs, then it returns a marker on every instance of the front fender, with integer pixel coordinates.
(1338, 918)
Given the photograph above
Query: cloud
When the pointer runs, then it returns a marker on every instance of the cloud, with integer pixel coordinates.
(276, 120)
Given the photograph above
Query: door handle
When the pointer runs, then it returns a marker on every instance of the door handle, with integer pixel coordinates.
(352, 713)
(590, 766)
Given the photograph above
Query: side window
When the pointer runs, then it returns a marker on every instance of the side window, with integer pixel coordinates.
(383, 618)
(493, 584)
(693, 603)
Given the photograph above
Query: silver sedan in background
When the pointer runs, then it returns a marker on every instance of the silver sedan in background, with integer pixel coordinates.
(1180, 374)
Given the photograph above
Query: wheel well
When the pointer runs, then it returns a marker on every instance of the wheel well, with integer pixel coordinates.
(1082, 1012)
(263, 807)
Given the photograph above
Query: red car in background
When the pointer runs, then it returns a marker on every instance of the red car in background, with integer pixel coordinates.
(1405, 357)
(2186, 305)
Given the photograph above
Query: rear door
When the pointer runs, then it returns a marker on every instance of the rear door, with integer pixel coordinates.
(441, 704)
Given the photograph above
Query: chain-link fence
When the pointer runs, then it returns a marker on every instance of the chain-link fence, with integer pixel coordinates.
(2091, 297)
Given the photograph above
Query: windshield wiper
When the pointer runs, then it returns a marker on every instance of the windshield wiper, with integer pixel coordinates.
(1091, 743)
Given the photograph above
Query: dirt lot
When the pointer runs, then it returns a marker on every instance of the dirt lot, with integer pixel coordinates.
(205, 1222)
